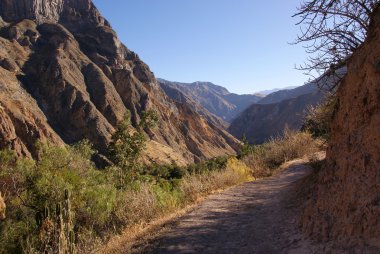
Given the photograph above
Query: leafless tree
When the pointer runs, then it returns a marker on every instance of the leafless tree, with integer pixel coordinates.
(331, 31)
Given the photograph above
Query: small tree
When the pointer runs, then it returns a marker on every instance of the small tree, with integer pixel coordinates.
(127, 144)
(245, 147)
(333, 30)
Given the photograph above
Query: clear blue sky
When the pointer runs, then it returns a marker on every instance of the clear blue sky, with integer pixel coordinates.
(239, 44)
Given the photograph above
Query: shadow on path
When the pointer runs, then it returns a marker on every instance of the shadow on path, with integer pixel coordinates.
(255, 217)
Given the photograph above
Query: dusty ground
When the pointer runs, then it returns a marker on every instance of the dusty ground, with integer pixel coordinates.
(255, 217)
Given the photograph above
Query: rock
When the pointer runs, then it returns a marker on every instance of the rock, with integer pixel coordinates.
(14, 33)
(345, 204)
(24, 42)
(101, 161)
(214, 99)
(2, 22)
(22, 122)
(78, 81)
(2, 208)
(9, 65)
(40, 10)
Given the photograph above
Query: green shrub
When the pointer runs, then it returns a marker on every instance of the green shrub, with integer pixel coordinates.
(128, 143)
(245, 147)
(218, 163)
(33, 185)
(99, 207)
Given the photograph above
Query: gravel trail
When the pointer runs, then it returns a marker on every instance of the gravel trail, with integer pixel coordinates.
(255, 217)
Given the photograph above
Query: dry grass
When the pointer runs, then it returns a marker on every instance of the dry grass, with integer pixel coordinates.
(145, 209)
(148, 207)
(266, 158)
(194, 186)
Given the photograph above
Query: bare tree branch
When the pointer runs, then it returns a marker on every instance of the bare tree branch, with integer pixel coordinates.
(331, 30)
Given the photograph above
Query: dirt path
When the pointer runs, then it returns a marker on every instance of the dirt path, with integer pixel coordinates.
(255, 217)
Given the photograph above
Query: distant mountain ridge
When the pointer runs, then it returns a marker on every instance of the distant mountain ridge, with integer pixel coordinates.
(216, 99)
(285, 94)
(260, 122)
(259, 118)
(269, 91)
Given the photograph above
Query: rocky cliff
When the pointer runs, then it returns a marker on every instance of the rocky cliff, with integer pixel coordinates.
(216, 99)
(65, 76)
(345, 203)
(260, 122)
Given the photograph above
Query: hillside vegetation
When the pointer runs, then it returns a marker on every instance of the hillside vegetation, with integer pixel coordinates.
(37, 191)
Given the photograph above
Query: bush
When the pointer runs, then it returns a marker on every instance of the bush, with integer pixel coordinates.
(99, 207)
(264, 159)
(31, 186)
(218, 163)
(318, 119)
(128, 143)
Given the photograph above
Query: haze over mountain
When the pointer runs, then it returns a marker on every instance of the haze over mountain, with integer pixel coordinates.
(285, 108)
(259, 117)
(269, 91)
(260, 122)
(216, 99)
(65, 76)
(284, 94)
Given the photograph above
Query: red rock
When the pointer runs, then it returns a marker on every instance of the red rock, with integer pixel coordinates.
(83, 79)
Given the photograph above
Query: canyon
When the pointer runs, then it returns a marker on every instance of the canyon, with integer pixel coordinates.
(65, 76)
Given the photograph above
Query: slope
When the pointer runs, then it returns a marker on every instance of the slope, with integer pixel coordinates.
(216, 99)
(260, 122)
(285, 94)
(72, 79)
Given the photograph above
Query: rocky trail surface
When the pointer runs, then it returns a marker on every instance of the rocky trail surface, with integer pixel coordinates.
(255, 217)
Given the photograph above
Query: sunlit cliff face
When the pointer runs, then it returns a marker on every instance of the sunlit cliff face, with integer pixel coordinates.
(37, 9)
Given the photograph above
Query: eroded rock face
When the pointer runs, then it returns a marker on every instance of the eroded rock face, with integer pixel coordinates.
(261, 122)
(36, 10)
(2, 208)
(65, 60)
(215, 99)
(346, 203)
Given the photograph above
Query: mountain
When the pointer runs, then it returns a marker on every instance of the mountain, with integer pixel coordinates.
(260, 122)
(285, 94)
(266, 92)
(176, 95)
(216, 99)
(322, 83)
(65, 76)
(268, 117)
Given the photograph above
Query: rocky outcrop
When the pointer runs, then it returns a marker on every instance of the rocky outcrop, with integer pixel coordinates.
(216, 99)
(51, 11)
(345, 204)
(2, 208)
(71, 79)
(261, 122)
(22, 122)
(181, 98)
